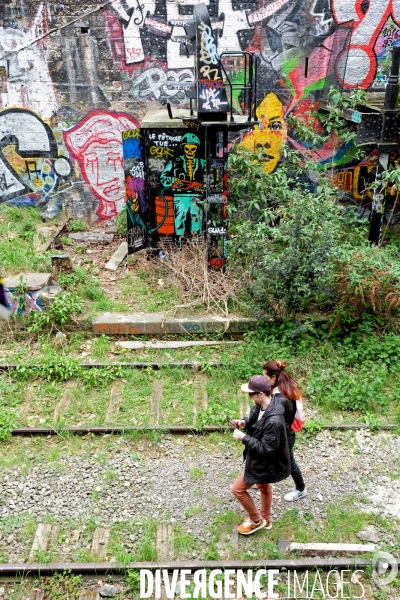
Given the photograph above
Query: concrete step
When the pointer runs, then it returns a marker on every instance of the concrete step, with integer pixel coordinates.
(158, 324)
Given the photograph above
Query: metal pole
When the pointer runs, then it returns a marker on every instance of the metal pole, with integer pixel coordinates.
(392, 88)
(378, 203)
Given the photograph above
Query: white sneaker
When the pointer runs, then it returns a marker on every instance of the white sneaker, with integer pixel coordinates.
(295, 495)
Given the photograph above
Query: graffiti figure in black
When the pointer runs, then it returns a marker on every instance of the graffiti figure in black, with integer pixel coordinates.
(183, 175)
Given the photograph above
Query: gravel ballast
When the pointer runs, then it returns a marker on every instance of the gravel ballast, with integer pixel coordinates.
(186, 480)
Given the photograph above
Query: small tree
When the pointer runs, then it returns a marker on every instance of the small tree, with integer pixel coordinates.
(293, 264)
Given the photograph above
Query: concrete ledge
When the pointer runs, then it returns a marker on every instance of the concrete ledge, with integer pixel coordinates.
(158, 324)
(331, 549)
(32, 281)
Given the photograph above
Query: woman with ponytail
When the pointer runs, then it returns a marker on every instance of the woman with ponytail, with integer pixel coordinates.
(285, 388)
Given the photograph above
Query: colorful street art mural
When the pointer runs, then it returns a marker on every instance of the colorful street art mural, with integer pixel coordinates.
(182, 177)
(271, 134)
(96, 143)
(32, 163)
(74, 80)
(171, 206)
(136, 205)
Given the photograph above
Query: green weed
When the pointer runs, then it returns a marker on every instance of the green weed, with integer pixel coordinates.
(71, 280)
(54, 367)
(184, 542)
(62, 310)
(100, 346)
(312, 426)
(8, 524)
(133, 579)
(104, 304)
(66, 241)
(194, 511)
(373, 421)
(60, 586)
(196, 473)
(7, 423)
(147, 551)
(120, 221)
(77, 225)
(109, 475)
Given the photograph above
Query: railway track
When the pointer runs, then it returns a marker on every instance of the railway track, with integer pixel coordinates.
(187, 398)
(159, 412)
(113, 568)
(89, 581)
(174, 429)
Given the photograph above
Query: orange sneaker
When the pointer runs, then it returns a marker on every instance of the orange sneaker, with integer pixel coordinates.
(248, 527)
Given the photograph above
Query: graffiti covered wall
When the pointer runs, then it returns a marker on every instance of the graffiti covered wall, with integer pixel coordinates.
(74, 76)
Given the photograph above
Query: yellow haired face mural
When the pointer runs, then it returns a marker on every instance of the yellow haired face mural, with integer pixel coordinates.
(272, 134)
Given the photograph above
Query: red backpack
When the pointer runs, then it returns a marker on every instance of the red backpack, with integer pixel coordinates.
(299, 417)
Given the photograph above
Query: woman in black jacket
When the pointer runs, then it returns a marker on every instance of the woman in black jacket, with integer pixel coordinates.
(286, 390)
(266, 453)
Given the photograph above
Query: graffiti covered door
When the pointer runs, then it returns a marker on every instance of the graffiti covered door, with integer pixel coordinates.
(164, 174)
(137, 209)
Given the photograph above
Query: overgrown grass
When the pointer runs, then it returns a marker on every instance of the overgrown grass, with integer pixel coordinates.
(349, 375)
(17, 231)
(349, 378)
(340, 525)
(185, 544)
(149, 290)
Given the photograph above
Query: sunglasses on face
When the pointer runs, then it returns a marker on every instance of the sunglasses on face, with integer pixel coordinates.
(253, 394)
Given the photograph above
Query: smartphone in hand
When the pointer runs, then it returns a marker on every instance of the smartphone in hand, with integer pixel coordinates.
(230, 422)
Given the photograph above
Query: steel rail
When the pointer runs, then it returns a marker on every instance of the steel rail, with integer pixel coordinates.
(114, 567)
(176, 429)
(134, 365)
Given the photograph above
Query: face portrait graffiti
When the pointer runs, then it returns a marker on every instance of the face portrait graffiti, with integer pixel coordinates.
(97, 145)
(272, 132)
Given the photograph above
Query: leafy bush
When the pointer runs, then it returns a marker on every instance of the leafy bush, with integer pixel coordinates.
(292, 264)
(366, 281)
(62, 310)
(53, 367)
(7, 423)
(360, 389)
(252, 191)
(295, 249)
(333, 120)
